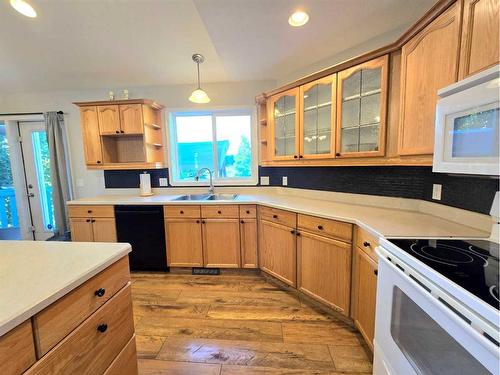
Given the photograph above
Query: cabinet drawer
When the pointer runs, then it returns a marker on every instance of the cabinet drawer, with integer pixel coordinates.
(17, 350)
(331, 228)
(248, 211)
(92, 347)
(56, 321)
(366, 242)
(181, 211)
(91, 211)
(278, 216)
(126, 362)
(220, 212)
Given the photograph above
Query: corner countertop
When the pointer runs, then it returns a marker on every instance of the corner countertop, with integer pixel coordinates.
(380, 221)
(33, 275)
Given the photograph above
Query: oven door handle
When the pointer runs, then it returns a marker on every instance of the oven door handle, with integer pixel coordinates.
(431, 297)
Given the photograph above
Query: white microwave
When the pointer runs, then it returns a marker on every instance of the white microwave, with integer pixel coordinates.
(467, 126)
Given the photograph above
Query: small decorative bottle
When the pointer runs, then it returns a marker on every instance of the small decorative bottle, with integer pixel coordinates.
(125, 94)
(111, 95)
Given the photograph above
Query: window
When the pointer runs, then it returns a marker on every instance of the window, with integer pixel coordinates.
(222, 141)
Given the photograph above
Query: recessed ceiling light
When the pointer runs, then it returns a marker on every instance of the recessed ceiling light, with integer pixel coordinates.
(23, 7)
(298, 18)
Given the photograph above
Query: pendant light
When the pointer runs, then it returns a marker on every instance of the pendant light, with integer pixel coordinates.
(199, 96)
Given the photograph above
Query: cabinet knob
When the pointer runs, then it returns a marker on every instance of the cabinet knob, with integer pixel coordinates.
(295, 156)
(117, 132)
(181, 212)
(102, 327)
(100, 292)
(366, 244)
(301, 156)
(320, 227)
(375, 272)
(298, 233)
(337, 154)
(88, 220)
(203, 222)
(197, 222)
(248, 212)
(242, 222)
(122, 131)
(98, 162)
(89, 211)
(92, 220)
(219, 212)
(292, 231)
(275, 216)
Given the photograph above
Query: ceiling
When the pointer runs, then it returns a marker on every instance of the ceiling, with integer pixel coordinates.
(82, 44)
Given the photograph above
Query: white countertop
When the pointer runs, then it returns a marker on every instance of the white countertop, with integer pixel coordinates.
(33, 275)
(380, 221)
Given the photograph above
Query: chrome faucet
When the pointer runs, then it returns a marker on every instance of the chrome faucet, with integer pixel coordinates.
(211, 189)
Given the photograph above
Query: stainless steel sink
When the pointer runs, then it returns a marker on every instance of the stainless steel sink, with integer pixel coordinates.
(192, 197)
(222, 197)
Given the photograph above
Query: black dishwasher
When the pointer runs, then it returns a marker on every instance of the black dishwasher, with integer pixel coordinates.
(142, 227)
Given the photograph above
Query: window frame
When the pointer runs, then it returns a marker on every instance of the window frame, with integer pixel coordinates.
(172, 154)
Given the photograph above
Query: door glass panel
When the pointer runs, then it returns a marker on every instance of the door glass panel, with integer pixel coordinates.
(361, 107)
(9, 220)
(42, 165)
(425, 344)
(284, 126)
(317, 126)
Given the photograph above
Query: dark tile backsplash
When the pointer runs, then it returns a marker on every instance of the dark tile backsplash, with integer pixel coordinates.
(470, 193)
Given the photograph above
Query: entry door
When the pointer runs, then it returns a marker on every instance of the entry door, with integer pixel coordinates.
(38, 183)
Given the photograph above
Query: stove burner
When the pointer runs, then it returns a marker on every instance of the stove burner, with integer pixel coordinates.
(448, 255)
(494, 292)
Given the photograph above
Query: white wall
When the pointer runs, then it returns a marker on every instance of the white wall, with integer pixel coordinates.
(175, 96)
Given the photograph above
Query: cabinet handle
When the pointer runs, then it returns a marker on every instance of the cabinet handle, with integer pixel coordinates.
(102, 327)
(92, 220)
(203, 222)
(100, 292)
(117, 131)
(248, 212)
(320, 227)
(366, 244)
(98, 162)
(275, 216)
(295, 156)
(197, 222)
(375, 272)
(338, 154)
(242, 222)
(298, 233)
(88, 220)
(181, 212)
(122, 131)
(89, 211)
(301, 156)
(219, 212)
(292, 231)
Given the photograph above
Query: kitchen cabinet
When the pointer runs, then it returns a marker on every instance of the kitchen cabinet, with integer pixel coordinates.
(429, 61)
(92, 146)
(324, 270)
(17, 350)
(364, 285)
(284, 125)
(480, 28)
(362, 108)
(109, 119)
(92, 223)
(248, 244)
(221, 243)
(131, 119)
(317, 118)
(278, 251)
(184, 242)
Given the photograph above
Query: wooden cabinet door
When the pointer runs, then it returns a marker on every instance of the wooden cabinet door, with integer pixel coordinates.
(221, 243)
(184, 244)
(317, 103)
(131, 119)
(109, 119)
(364, 284)
(362, 109)
(104, 229)
(429, 61)
(81, 229)
(277, 251)
(479, 48)
(283, 115)
(91, 137)
(248, 232)
(324, 270)
(17, 350)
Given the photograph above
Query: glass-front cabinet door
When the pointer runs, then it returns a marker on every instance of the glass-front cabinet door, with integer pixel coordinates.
(284, 124)
(317, 118)
(362, 106)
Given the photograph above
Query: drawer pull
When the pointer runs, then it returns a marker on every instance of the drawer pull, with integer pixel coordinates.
(89, 211)
(292, 231)
(102, 327)
(242, 222)
(248, 212)
(203, 221)
(298, 233)
(197, 222)
(275, 216)
(375, 272)
(88, 220)
(181, 211)
(320, 227)
(219, 212)
(366, 244)
(100, 292)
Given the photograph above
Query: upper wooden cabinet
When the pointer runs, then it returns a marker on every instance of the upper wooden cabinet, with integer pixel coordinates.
(479, 48)
(317, 118)
(429, 62)
(123, 134)
(284, 125)
(362, 107)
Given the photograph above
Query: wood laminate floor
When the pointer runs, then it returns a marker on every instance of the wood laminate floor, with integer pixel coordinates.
(237, 324)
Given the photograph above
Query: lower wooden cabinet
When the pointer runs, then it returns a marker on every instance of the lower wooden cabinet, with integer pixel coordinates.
(101, 229)
(278, 255)
(126, 362)
(221, 243)
(248, 243)
(364, 284)
(17, 350)
(324, 270)
(184, 242)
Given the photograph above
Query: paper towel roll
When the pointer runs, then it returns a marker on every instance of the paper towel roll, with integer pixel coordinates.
(145, 184)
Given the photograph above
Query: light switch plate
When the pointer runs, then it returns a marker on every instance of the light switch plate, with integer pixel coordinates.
(436, 191)
(163, 181)
(285, 181)
(264, 180)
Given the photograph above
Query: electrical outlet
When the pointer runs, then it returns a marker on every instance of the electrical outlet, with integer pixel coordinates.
(436, 191)
(163, 181)
(285, 181)
(264, 180)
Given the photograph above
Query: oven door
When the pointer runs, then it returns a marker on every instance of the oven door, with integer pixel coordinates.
(417, 334)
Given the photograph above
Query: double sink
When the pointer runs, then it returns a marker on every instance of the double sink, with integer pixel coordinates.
(206, 197)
